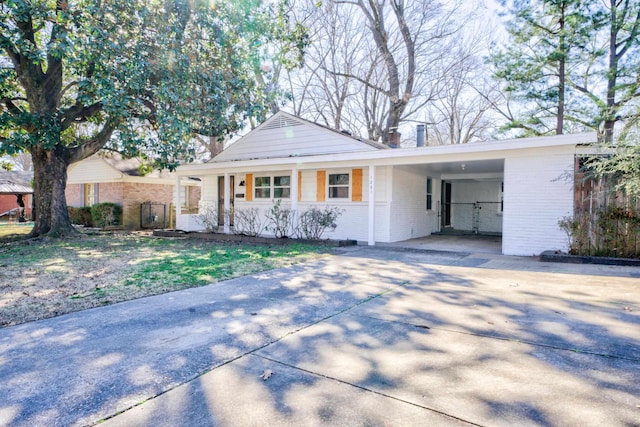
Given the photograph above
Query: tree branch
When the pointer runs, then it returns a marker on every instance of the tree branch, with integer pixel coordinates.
(88, 147)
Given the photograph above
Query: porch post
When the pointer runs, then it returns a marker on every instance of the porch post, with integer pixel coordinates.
(176, 202)
(227, 203)
(372, 206)
(294, 197)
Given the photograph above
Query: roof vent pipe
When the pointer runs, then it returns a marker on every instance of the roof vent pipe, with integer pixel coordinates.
(420, 135)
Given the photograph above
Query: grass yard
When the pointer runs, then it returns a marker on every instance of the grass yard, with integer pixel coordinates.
(14, 230)
(40, 279)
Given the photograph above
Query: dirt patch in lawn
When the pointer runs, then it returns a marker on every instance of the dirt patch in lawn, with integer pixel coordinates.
(41, 279)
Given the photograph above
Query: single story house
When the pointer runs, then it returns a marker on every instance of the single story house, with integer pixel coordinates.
(107, 177)
(12, 185)
(518, 188)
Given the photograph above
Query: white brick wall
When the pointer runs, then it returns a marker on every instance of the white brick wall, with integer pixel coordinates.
(409, 205)
(536, 197)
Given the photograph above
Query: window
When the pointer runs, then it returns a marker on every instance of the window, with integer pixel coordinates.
(263, 187)
(501, 196)
(429, 194)
(89, 194)
(281, 188)
(339, 186)
(184, 196)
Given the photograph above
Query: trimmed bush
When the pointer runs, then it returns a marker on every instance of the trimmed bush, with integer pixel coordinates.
(80, 216)
(106, 214)
(314, 222)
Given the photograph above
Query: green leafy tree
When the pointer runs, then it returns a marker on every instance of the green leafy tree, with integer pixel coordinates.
(535, 65)
(572, 62)
(613, 64)
(140, 77)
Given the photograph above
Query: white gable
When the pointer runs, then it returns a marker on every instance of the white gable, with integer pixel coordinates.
(93, 169)
(284, 135)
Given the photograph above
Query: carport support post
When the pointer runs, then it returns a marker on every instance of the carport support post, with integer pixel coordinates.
(227, 203)
(294, 198)
(372, 206)
(176, 202)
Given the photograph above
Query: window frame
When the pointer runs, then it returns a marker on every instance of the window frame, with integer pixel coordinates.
(337, 186)
(260, 188)
(282, 187)
(271, 188)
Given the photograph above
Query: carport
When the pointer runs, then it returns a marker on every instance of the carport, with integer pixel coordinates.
(453, 242)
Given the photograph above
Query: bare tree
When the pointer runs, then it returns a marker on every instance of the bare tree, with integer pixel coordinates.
(375, 66)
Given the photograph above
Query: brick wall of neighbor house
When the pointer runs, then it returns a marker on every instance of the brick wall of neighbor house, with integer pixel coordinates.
(194, 196)
(9, 201)
(73, 194)
(529, 225)
(113, 192)
(138, 193)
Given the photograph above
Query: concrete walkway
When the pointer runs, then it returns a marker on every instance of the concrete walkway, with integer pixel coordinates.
(368, 337)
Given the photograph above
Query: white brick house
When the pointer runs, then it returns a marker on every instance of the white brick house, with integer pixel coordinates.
(516, 188)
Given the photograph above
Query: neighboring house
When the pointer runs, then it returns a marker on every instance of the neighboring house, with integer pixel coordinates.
(107, 177)
(12, 184)
(518, 189)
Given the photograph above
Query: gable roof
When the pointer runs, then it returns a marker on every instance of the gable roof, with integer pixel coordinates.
(285, 135)
(16, 182)
(129, 167)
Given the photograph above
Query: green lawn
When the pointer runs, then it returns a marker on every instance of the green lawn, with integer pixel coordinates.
(45, 278)
(14, 229)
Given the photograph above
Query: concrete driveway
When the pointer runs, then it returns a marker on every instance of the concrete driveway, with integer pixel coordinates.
(367, 337)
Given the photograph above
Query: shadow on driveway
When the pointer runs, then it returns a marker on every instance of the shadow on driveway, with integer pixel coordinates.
(364, 338)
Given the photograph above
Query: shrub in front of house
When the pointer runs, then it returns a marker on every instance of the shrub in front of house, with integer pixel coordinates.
(208, 218)
(279, 220)
(248, 222)
(106, 214)
(613, 231)
(80, 216)
(314, 222)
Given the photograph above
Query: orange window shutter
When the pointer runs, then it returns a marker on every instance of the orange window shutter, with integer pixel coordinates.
(249, 182)
(321, 186)
(299, 185)
(356, 189)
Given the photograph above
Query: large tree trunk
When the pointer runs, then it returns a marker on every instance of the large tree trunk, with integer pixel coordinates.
(50, 179)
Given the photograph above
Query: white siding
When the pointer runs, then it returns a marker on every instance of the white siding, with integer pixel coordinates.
(298, 139)
(538, 192)
(209, 188)
(92, 169)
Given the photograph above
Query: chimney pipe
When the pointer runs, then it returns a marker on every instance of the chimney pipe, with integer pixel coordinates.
(420, 135)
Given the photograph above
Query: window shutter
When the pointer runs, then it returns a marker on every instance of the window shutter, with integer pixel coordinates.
(299, 185)
(356, 185)
(321, 187)
(249, 183)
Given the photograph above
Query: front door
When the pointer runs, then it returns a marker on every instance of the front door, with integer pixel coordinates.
(446, 204)
(221, 200)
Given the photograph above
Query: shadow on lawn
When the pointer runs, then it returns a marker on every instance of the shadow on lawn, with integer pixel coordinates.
(340, 337)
